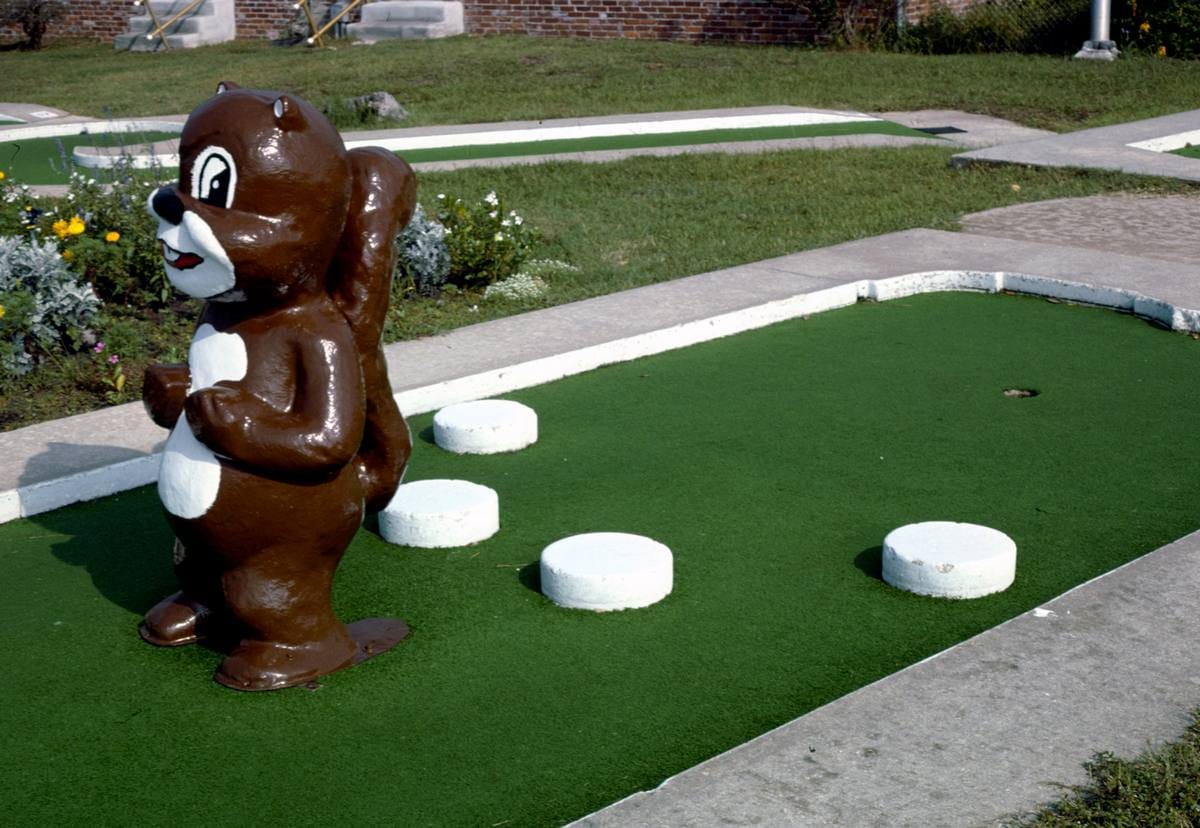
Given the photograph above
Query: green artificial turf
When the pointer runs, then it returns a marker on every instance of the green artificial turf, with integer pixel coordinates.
(48, 160)
(772, 463)
(669, 139)
(1190, 151)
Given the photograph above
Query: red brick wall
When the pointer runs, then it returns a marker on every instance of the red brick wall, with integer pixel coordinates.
(105, 19)
(263, 18)
(99, 19)
(750, 21)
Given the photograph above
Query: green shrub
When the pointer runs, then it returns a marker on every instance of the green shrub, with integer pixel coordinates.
(486, 243)
(46, 310)
(33, 17)
(1028, 26)
(117, 252)
(424, 259)
(1167, 28)
(854, 24)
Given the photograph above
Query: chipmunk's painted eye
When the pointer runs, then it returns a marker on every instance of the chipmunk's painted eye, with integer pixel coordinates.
(214, 177)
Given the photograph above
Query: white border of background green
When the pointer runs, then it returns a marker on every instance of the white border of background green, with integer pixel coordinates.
(469, 135)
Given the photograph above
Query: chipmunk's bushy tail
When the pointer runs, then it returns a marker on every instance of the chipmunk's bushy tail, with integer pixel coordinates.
(382, 201)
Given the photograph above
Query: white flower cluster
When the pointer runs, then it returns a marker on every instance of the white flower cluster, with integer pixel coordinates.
(516, 287)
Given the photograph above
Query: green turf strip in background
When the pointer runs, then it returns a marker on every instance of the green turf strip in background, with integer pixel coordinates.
(772, 463)
(1190, 151)
(48, 160)
(669, 139)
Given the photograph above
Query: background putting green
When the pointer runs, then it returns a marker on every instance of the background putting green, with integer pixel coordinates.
(670, 139)
(772, 463)
(1190, 151)
(48, 160)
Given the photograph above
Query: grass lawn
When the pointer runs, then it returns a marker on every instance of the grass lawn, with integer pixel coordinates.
(632, 223)
(474, 79)
(1159, 787)
(772, 463)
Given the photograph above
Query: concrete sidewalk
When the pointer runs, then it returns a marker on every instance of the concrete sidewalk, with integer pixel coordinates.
(1103, 148)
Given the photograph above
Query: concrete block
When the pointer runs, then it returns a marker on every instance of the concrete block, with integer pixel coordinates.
(949, 560)
(485, 427)
(604, 571)
(435, 514)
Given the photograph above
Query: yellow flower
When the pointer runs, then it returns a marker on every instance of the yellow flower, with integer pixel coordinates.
(1, 311)
(1162, 51)
(68, 255)
(112, 237)
(60, 228)
(2, 175)
(1145, 27)
(76, 226)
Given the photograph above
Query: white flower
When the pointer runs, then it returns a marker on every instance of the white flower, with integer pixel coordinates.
(442, 196)
(505, 223)
(491, 199)
(498, 237)
(518, 221)
(492, 214)
(448, 231)
(518, 286)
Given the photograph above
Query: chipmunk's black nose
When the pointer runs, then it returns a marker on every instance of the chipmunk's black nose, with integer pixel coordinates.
(166, 205)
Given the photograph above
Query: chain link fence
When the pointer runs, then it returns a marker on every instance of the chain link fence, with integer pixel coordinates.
(958, 26)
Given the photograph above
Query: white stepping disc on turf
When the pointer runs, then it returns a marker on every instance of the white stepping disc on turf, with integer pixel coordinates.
(439, 513)
(604, 571)
(949, 560)
(485, 427)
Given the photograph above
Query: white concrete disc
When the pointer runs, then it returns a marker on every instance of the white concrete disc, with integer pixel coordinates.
(440, 513)
(604, 571)
(485, 427)
(949, 560)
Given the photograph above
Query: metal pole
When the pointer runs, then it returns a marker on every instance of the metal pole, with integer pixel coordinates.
(1100, 47)
(1100, 20)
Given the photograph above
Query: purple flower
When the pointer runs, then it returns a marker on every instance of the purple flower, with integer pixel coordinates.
(114, 359)
(99, 347)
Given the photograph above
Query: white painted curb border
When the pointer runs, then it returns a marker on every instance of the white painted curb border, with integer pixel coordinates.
(1167, 143)
(25, 501)
(611, 130)
(452, 139)
(97, 127)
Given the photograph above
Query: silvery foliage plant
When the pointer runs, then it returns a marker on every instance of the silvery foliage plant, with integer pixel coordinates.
(423, 253)
(59, 306)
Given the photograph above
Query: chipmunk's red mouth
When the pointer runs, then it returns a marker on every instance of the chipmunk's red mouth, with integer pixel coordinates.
(178, 259)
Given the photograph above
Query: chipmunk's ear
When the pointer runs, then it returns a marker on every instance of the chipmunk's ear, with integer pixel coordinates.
(225, 86)
(287, 113)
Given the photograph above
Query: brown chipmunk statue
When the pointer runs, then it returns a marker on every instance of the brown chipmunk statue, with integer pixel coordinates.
(283, 425)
